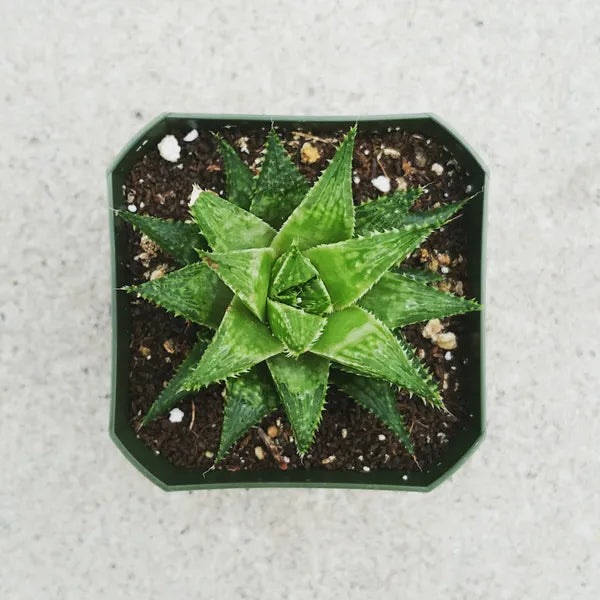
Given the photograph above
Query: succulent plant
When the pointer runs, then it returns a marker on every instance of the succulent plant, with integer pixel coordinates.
(303, 290)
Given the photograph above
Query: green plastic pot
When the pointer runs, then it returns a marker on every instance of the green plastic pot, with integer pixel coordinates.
(170, 477)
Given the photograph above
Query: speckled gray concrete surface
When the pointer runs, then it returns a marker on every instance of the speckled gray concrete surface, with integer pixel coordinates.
(519, 80)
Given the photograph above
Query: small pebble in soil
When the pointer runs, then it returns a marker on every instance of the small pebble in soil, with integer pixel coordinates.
(356, 179)
(191, 136)
(169, 148)
(432, 328)
(242, 144)
(448, 355)
(132, 208)
(401, 184)
(381, 437)
(148, 246)
(446, 340)
(176, 415)
(437, 168)
(328, 460)
(444, 286)
(344, 433)
(209, 454)
(273, 431)
(391, 152)
(169, 346)
(382, 183)
(309, 154)
(366, 469)
(259, 453)
(433, 331)
(159, 272)
(445, 270)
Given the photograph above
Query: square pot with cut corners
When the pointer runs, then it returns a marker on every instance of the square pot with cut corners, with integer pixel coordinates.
(170, 477)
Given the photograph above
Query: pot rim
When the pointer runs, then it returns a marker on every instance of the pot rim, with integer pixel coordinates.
(151, 465)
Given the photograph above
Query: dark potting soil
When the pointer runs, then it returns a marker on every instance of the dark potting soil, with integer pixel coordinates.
(349, 437)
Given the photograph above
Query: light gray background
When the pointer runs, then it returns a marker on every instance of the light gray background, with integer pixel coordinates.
(519, 80)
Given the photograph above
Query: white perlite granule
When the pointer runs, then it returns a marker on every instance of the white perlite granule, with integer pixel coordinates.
(191, 136)
(176, 415)
(382, 183)
(437, 168)
(169, 148)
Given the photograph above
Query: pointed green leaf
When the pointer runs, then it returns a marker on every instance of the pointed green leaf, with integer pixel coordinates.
(247, 273)
(355, 338)
(422, 275)
(397, 300)
(378, 397)
(228, 227)
(238, 176)
(173, 394)
(435, 217)
(248, 400)
(193, 292)
(326, 214)
(279, 187)
(241, 342)
(301, 383)
(176, 238)
(348, 269)
(295, 281)
(294, 327)
(385, 212)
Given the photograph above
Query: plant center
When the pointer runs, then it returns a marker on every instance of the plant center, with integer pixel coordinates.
(297, 301)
